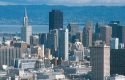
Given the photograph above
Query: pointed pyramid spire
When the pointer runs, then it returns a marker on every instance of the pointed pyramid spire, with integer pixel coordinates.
(25, 18)
(25, 12)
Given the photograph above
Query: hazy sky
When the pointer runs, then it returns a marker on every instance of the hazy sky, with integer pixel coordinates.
(64, 2)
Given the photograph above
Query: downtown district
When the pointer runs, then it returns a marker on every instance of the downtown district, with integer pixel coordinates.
(95, 53)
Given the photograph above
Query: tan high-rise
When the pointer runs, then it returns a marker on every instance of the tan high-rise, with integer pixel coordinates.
(106, 34)
(100, 62)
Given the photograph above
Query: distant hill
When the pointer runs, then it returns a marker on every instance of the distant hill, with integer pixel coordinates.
(38, 14)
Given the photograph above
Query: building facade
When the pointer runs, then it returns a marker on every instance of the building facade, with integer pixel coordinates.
(63, 44)
(100, 62)
(55, 19)
(8, 54)
(26, 30)
(106, 34)
(117, 61)
(87, 35)
(114, 43)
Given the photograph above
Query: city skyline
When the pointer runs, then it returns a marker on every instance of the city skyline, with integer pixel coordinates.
(79, 44)
(64, 2)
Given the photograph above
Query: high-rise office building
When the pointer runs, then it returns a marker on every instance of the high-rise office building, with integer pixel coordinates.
(123, 35)
(87, 35)
(43, 39)
(106, 34)
(116, 30)
(96, 35)
(117, 62)
(34, 40)
(53, 41)
(100, 62)
(73, 30)
(63, 44)
(55, 19)
(114, 43)
(97, 28)
(26, 30)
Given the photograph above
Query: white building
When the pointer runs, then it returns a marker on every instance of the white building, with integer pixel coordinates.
(77, 51)
(26, 30)
(117, 77)
(114, 43)
(24, 63)
(63, 44)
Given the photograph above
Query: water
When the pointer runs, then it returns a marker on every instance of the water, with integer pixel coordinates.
(39, 14)
(17, 28)
(35, 28)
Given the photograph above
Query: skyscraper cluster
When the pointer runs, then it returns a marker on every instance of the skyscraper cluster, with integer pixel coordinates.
(95, 52)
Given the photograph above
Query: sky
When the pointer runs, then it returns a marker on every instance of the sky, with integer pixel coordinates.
(63, 2)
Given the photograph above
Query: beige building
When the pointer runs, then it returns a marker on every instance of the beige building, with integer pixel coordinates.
(87, 34)
(100, 62)
(38, 50)
(106, 34)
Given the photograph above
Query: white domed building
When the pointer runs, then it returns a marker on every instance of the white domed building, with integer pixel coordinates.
(77, 51)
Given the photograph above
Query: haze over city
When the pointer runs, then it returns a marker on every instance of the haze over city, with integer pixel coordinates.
(63, 2)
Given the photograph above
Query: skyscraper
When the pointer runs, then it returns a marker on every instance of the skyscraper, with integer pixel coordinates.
(114, 43)
(43, 38)
(26, 30)
(87, 35)
(63, 44)
(106, 34)
(96, 35)
(73, 30)
(34, 40)
(53, 41)
(116, 30)
(117, 63)
(123, 35)
(55, 19)
(97, 28)
(100, 62)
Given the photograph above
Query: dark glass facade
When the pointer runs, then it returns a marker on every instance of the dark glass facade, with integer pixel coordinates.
(55, 19)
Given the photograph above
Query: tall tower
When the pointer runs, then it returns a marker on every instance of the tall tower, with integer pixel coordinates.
(63, 44)
(106, 34)
(116, 30)
(87, 34)
(73, 30)
(53, 42)
(26, 30)
(100, 62)
(55, 19)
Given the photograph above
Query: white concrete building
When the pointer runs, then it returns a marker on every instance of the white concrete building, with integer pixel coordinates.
(63, 44)
(26, 30)
(117, 77)
(114, 43)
